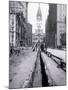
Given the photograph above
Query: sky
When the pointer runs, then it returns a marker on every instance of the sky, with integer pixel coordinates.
(32, 12)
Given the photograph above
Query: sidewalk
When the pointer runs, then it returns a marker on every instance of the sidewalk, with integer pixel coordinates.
(59, 53)
(21, 73)
(56, 74)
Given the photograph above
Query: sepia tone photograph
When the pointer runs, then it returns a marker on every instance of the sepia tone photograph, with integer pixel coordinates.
(37, 44)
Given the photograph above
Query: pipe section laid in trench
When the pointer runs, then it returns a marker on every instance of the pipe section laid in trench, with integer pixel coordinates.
(44, 76)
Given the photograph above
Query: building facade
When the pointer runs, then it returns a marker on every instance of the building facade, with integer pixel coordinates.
(28, 34)
(17, 19)
(47, 32)
(51, 26)
(56, 26)
(61, 25)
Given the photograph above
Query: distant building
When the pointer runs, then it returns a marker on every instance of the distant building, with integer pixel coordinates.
(36, 38)
(39, 21)
(38, 35)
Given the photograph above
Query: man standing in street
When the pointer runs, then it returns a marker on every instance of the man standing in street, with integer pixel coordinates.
(42, 47)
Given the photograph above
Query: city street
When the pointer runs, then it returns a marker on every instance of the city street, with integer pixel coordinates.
(37, 44)
(30, 70)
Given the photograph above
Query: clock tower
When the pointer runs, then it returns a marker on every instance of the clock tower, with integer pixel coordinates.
(39, 31)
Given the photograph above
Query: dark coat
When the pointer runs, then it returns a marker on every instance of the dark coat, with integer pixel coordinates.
(42, 47)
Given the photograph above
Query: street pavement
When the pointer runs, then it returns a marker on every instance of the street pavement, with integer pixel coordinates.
(21, 71)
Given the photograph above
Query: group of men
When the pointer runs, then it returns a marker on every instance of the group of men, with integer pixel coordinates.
(42, 46)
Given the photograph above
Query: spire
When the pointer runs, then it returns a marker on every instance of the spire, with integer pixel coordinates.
(39, 14)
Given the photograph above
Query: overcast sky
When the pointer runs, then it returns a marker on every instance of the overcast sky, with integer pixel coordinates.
(32, 12)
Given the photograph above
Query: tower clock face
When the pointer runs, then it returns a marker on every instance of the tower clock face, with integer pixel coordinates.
(39, 18)
(39, 25)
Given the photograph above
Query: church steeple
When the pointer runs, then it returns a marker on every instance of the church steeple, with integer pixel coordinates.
(39, 14)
